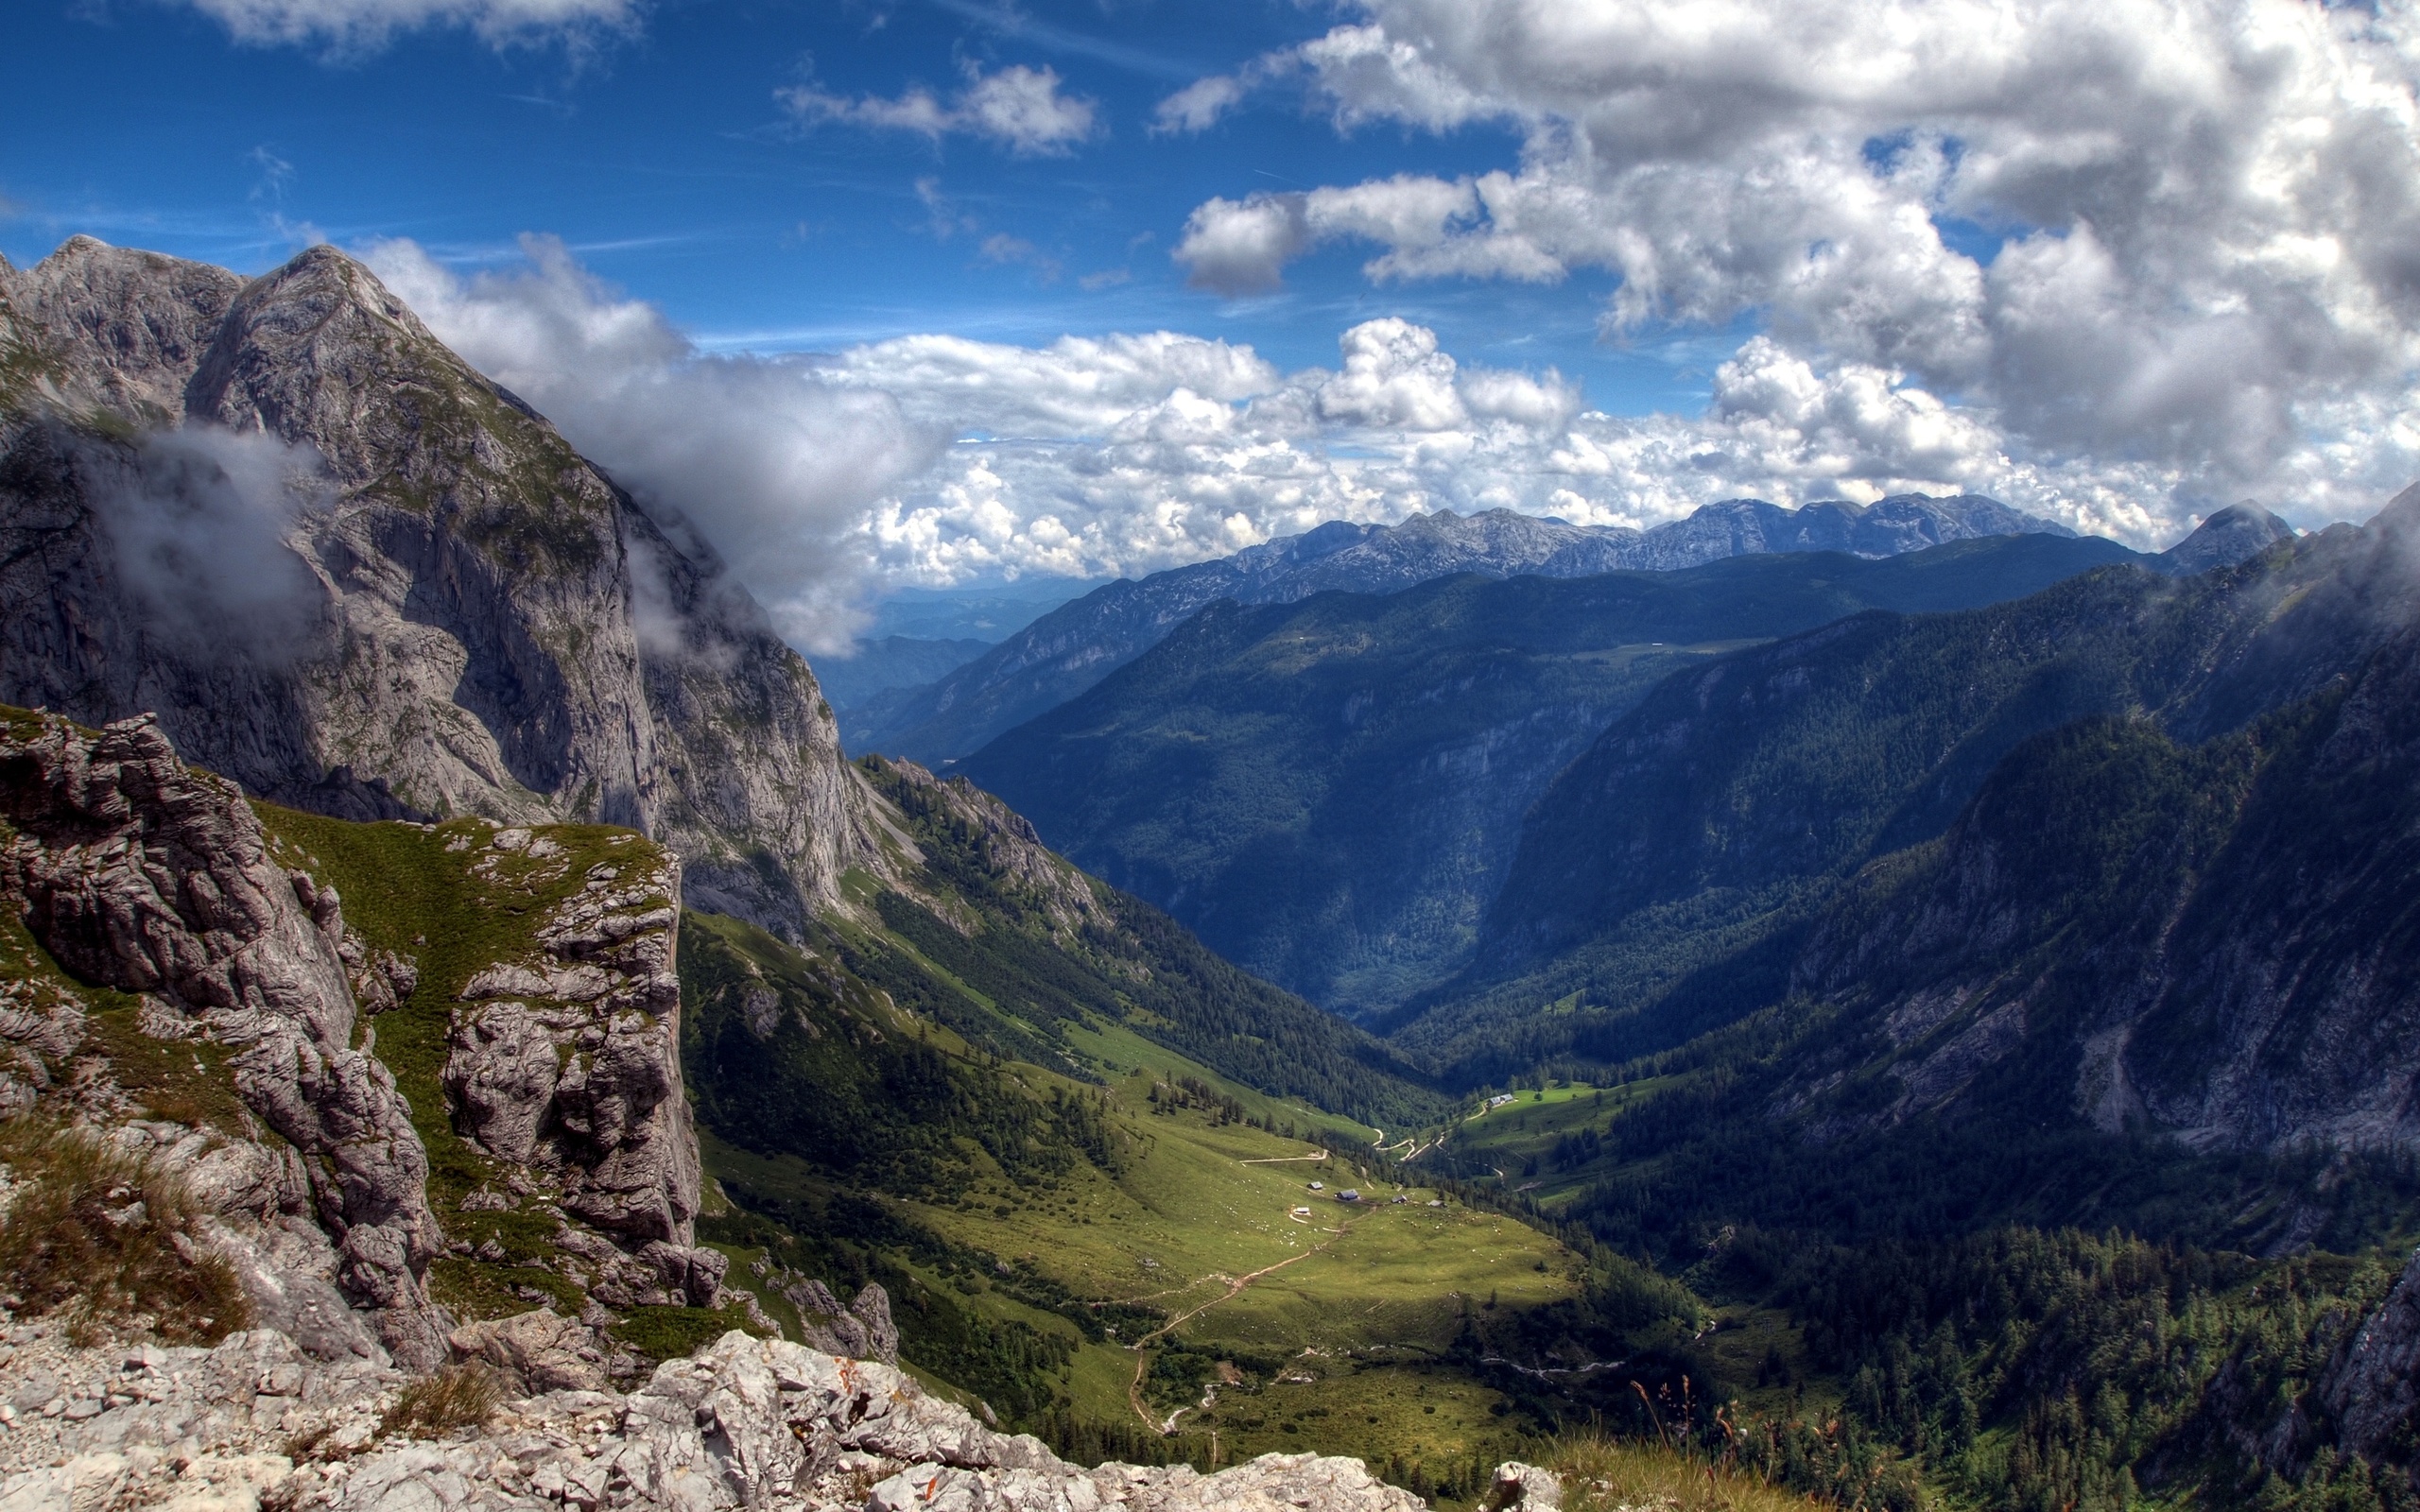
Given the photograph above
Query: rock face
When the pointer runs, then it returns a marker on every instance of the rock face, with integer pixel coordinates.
(764, 1425)
(138, 874)
(560, 1060)
(568, 1063)
(861, 1330)
(354, 575)
(998, 840)
(2370, 1392)
(1074, 646)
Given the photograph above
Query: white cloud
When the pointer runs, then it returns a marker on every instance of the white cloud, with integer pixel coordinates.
(1233, 248)
(937, 459)
(1198, 106)
(1020, 108)
(2209, 209)
(772, 464)
(199, 525)
(360, 25)
(1394, 378)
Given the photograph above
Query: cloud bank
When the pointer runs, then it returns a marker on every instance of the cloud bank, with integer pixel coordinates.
(936, 460)
(771, 463)
(2180, 237)
(199, 525)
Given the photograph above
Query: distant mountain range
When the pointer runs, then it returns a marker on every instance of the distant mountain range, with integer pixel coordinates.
(1074, 646)
(2142, 844)
(1329, 791)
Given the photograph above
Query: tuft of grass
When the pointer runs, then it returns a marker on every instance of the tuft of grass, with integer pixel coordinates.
(101, 1237)
(459, 1397)
(673, 1332)
(1602, 1473)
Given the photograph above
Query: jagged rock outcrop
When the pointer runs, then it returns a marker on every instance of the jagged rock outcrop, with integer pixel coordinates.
(861, 1330)
(2370, 1391)
(535, 1352)
(138, 874)
(752, 1423)
(356, 576)
(567, 1063)
(998, 840)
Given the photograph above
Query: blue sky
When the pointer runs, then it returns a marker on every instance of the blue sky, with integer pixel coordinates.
(785, 266)
(664, 161)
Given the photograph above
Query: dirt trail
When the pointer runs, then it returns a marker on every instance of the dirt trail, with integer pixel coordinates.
(1235, 1289)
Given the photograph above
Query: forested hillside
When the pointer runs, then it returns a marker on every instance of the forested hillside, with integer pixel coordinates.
(1891, 964)
(1330, 792)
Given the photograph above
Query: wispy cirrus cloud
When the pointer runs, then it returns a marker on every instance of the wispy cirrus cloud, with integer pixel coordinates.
(363, 25)
(1020, 108)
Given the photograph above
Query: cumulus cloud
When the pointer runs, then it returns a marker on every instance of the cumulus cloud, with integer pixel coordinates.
(1094, 459)
(935, 460)
(766, 459)
(2173, 235)
(357, 26)
(1019, 107)
(1242, 248)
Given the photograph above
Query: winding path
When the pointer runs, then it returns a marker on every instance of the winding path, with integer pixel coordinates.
(1235, 1289)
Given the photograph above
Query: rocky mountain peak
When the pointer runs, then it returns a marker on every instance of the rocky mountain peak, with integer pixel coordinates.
(2226, 537)
(352, 573)
(1074, 646)
(127, 328)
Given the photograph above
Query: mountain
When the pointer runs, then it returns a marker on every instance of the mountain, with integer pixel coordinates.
(277, 1010)
(1672, 875)
(1013, 948)
(2227, 536)
(296, 1101)
(2015, 1006)
(879, 675)
(1074, 646)
(1329, 791)
(415, 1056)
(355, 576)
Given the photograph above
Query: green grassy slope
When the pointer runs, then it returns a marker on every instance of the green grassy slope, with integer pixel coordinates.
(1072, 1146)
(1329, 792)
(1035, 1224)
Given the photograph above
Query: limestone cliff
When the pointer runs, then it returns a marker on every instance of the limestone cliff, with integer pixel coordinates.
(137, 874)
(351, 574)
(522, 979)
